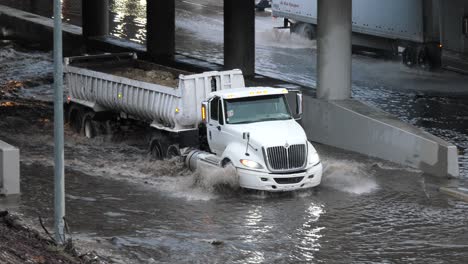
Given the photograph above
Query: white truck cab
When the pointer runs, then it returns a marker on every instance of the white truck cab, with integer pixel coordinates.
(253, 129)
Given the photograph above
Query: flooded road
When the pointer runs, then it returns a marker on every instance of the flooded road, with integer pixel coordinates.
(122, 203)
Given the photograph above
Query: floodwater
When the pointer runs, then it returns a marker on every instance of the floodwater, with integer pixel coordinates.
(122, 204)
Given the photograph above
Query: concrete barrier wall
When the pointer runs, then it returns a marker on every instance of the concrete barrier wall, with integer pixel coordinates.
(9, 169)
(352, 125)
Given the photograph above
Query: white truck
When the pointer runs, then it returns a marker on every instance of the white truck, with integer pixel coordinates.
(252, 129)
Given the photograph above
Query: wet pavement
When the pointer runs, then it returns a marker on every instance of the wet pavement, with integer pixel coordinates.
(122, 203)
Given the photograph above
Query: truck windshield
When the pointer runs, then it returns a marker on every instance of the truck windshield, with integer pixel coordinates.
(256, 109)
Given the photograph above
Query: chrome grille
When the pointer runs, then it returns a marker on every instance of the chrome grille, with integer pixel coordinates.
(284, 159)
(292, 180)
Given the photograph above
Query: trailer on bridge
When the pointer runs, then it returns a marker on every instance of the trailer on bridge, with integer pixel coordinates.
(406, 27)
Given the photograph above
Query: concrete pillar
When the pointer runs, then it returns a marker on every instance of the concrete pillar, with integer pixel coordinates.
(9, 169)
(239, 35)
(334, 49)
(95, 18)
(160, 27)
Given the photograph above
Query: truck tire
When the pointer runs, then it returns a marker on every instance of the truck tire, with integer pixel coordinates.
(159, 146)
(424, 60)
(75, 113)
(173, 151)
(304, 30)
(156, 150)
(409, 56)
(226, 163)
(89, 126)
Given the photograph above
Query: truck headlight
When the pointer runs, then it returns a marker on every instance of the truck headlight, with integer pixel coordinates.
(251, 164)
(314, 158)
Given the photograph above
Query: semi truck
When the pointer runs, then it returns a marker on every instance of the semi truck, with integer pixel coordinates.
(212, 116)
(409, 28)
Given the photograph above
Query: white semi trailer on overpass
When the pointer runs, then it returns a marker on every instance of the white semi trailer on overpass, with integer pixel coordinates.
(406, 27)
(251, 128)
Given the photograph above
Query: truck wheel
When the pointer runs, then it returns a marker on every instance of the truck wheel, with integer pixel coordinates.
(156, 150)
(89, 127)
(424, 61)
(173, 151)
(226, 163)
(409, 56)
(159, 147)
(304, 30)
(75, 118)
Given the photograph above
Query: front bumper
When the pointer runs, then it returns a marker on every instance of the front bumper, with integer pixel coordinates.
(278, 182)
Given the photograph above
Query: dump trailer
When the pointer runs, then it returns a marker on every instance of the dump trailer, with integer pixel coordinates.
(212, 114)
(406, 27)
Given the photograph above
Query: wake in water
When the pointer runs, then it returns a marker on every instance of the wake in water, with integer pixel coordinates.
(348, 176)
(27, 124)
(216, 179)
(282, 38)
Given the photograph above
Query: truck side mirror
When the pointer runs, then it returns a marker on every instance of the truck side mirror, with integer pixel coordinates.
(299, 106)
(246, 135)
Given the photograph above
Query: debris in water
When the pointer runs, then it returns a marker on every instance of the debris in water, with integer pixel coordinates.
(7, 104)
(216, 242)
(10, 88)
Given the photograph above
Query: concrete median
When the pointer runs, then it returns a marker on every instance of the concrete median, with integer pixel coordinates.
(352, 125)
(9, 169)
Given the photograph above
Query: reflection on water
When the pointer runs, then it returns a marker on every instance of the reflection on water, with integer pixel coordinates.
(310, 232)
(128, 19)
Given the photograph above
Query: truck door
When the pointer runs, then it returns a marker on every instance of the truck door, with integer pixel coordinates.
(215, 126)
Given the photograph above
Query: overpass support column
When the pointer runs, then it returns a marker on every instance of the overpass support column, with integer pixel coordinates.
(334, 49)
(95, 18)
(160, 27)
(239, 35)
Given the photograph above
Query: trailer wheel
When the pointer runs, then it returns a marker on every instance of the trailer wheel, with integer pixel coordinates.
(159, 146)
(409, 56)
(304, 30)
(89, 126)
(173, 151)
(156, 150)
(424, 61)
(75, 118)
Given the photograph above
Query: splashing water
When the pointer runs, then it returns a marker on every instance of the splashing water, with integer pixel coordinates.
(284, 39)
(216, 179)
(348, 176)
